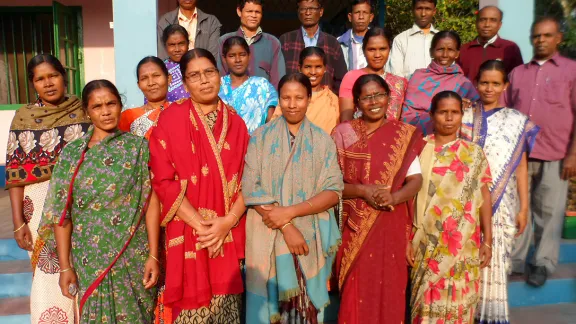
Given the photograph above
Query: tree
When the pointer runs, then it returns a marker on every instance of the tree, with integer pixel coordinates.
(456, 15)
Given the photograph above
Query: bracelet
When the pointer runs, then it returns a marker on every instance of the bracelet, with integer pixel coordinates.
(309, 203)
(155, 258)
(67, 269)
(237, 219)
(487, 245)
(282, 228)
(19, 228)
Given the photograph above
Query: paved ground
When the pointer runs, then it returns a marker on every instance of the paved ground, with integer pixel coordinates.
(549, 314)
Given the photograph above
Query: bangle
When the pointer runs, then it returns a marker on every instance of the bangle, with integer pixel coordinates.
(282, 228)
(19, 228)
(487, 245)
(67, 269)
(309, 203)
(155, 258)
(237, 219)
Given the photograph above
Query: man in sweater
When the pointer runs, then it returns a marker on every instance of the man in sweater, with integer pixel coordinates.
(309, 14)
(488, 45)
(360, 16)
(266, 58)
(203, 29)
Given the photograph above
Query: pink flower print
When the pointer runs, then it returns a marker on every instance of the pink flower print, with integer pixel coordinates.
(459, 168)
(437, 211)
(468, 213)
(433, 292)
(451, 236)
(454, 147)
(476, 236)
(433, 265)
(453, 293)
(440, 321)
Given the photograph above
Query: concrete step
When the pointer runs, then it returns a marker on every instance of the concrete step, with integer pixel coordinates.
(559, 288)
(549, 314)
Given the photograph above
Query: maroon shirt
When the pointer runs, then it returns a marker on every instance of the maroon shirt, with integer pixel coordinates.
(547, 94)
(473, 54)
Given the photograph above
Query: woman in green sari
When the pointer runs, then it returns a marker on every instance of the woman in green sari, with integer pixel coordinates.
(96, 205)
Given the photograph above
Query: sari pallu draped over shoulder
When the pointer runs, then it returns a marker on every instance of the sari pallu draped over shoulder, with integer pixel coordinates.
(372, 271)
(104, 192)
(188, 159)
(277, 173)
(447, 236)
(37, 136)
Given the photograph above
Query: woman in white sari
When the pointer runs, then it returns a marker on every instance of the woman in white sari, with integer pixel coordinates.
(507, 136)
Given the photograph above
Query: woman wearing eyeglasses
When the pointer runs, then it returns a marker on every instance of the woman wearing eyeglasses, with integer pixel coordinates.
(379, 160)
(197, 158)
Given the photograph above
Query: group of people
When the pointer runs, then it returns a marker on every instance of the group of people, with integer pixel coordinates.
(263, 178)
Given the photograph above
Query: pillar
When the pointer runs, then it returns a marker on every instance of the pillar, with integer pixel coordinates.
(134, 38)
(518, 18)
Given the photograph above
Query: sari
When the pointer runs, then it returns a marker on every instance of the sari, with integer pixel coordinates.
(323, 110)
(371, 267)
(200, 157)
(140, 121)
(36, 139)
(425, 84)
(251, 100)
(278, 172)
(397, 86)
(505, 135)
(104, 191)
(176, 88)
(447, 236)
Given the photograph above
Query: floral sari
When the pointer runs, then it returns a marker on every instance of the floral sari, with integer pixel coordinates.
(425, 84)
(200, 157)
(278, 172)
(103, 191)
(447, 236)
(140, 121)
(505, 135)
(37, 136)
(371, 267)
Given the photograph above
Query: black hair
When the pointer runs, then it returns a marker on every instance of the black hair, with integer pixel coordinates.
(359, 2)
(375, 32)
(312, 51)
(296, 77)
(154, 60)
(234, 40)
(444, 95)
(195, 54)
(542, 19)
(173, 29)
(493, 65)
(365, 79)
(319, 2)
(242, 3)
(99, 84)
(446, 34)
(491, 7)
(414, 2)
(46, 58)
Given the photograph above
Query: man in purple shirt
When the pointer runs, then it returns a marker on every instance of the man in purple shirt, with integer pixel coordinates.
(545, 90)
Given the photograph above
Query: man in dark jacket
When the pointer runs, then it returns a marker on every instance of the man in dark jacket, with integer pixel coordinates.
(204, 29)
(309, 14)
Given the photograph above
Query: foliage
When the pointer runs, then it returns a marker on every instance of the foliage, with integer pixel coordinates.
(456, 15)
(565, 11)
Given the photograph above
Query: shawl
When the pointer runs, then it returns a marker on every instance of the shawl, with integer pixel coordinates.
(189, 159)
(276, 173)
(37, 136)
(511, 134)
(425, 84)
(111, 182)
(323, 110)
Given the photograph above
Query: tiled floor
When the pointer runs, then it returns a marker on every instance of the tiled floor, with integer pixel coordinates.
(549, 314)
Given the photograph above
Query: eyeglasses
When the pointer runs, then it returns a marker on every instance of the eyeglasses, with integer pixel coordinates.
(375, 97)
(196, 76)
(311, 9)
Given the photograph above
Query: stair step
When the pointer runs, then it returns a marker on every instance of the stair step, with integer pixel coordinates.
(15, 319)
(15, 285)
(568, 251)
(15, 306)
(18, 266)
(9, 251)
(549, 314)
(559, 288)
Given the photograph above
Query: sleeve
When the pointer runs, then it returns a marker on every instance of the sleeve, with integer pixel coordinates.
(346, 86)
(278, 69)
(340, 68)
(252, 190)
(470, 91)
(515, 57)
(414, 168)
(214, 37)
(333, 180)
(272, 96)
(507, 95)
(396, 59)
(219, 61)
(170, 191)
(162, 54)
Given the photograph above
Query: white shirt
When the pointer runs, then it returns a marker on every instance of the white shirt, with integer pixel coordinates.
(360, 62)
(414, 168)
(410, 51)
(490, 41)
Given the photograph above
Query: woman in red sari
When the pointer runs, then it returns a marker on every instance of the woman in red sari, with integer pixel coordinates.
(379, 159)
(197, 158)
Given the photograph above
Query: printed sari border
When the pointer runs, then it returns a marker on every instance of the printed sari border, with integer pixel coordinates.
(174, 208)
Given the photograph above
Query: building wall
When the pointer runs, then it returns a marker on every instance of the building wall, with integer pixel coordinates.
(98, 37)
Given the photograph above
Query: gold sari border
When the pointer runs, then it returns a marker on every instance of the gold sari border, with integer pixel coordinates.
(172, 212)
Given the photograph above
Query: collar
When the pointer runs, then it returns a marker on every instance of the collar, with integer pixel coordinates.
(243, 34)
(554, 59)
(416, 30)
(305, 34)
(494, 41)
(183, 18)
(356, 39)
